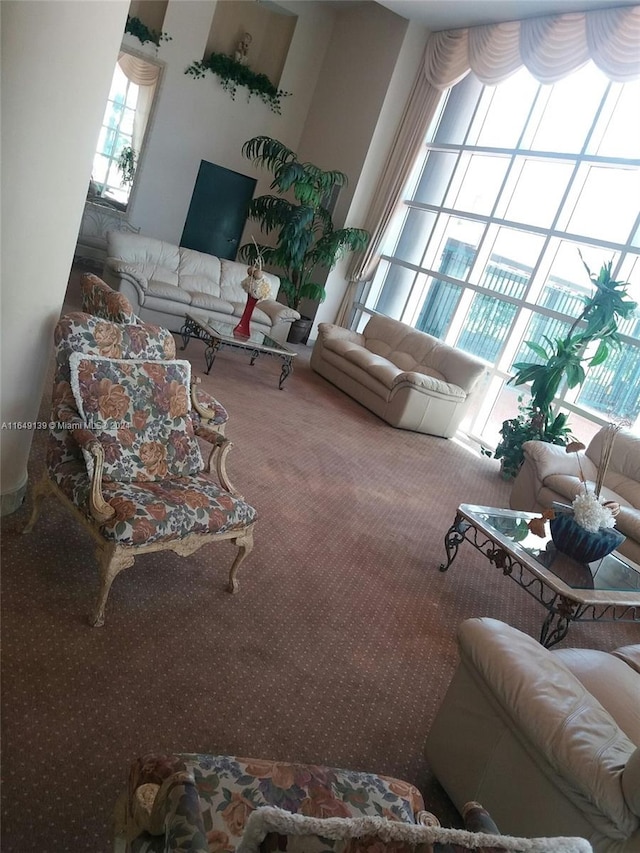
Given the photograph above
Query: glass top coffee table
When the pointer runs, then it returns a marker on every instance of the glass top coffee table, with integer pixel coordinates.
(607, 590)
(217, 335)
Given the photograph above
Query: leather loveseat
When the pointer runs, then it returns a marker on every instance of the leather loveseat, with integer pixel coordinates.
(408, 378)
(548, 741)
(163, 282)
(551, 474)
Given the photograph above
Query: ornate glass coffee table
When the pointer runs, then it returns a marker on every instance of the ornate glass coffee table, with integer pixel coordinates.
(220, 335)
(604, 591)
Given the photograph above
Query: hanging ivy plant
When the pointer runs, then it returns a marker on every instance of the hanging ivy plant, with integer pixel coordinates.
(136, 28)
(233, 74)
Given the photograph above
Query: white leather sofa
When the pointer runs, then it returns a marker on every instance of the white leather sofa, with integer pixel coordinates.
(548, 741)
(550, 474)
(408, 378)
(163, 282)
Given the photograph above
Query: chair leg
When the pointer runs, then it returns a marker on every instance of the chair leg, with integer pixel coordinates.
(112, 559)
(245, 546)
(40, 491)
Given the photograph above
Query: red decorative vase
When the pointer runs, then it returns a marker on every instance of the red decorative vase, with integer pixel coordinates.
(243, 330)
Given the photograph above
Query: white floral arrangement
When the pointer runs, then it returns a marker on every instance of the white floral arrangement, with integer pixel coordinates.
(255, 284)
(591, 512)
(589, 508)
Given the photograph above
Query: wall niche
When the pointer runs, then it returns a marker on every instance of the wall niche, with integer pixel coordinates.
(150, 12)
(269, 25)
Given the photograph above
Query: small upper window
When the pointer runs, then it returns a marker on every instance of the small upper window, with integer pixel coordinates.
(125, 121)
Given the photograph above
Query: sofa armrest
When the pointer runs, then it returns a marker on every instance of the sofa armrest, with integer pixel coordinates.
(331, 331)
(278, 312)
(562, 726)
(127, 271)
(553, 459)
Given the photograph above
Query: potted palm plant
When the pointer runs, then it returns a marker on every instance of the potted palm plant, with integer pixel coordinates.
(563, 360)
(306, 240)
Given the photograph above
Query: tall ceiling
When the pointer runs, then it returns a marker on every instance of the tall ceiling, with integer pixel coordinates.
(452, 14)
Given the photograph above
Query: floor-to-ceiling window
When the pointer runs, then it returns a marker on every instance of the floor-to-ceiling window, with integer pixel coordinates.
(517, 187)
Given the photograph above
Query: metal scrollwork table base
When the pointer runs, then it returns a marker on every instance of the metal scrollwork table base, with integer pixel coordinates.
(608, 591)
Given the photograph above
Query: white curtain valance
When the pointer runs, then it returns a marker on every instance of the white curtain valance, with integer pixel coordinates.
(550, 48)
(139, 71)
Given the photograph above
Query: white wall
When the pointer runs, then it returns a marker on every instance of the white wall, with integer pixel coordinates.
(55, 81)
(197, 120)
(408, 61)
(351, 91)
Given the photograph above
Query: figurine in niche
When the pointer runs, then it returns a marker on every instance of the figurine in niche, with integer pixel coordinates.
(242, 50)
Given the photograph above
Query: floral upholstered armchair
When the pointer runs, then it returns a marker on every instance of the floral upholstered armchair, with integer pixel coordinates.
(103, 301)
(122, 450)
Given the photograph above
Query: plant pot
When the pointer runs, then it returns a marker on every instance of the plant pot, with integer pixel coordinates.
(300, 330)
(580, 544)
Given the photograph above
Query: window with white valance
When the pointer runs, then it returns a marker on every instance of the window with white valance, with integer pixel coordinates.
(126, 118)
(520, 145)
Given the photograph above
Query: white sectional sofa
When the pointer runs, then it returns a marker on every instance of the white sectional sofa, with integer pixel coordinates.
(547, 741)
(551, 474)
(408, 378)
(163, 282)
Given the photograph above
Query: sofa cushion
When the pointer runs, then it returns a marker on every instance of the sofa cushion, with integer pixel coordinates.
(613, 683)
(199, 271)
(210, 303)
(628, 522)
(363, 377)
(628, 489)
(430, 383)
(168, 291)
(630, 655)
(625, 454)
(381, 369)
(139, 412)
(138, 249)
(569, 486)
(413, 350)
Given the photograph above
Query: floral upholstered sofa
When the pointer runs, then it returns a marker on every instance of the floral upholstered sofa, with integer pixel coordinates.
(223, 804)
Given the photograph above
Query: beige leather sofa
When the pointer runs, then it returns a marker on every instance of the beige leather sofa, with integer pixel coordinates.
(550, 474)
(408, 378)
(163, 282)
(548, 741)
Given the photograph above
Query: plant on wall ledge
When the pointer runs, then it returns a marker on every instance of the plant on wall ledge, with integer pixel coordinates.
(137, 29)
(233, 74)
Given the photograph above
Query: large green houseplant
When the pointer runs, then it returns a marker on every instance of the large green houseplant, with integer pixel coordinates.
(563, 360)
(306, 239)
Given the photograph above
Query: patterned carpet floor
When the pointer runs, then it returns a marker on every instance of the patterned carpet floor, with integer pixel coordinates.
(336, 650)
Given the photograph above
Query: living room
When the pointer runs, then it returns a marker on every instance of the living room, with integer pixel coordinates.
(340, 644)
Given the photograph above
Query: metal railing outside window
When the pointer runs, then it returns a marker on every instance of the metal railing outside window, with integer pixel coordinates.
(491, 264)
